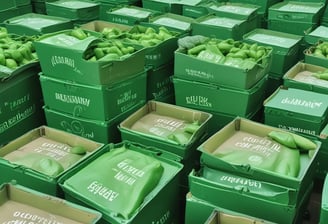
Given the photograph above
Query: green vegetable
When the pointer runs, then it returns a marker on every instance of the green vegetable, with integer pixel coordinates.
(78, 33)
(303, 143)
(321, 75)
(192, 127)
(11, 63)
(196, 49)
(79, 150)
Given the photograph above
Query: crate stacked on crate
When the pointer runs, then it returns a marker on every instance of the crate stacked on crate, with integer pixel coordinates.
(13, 8)
(90, 84)
(78, 11)
(219, 77)
(248, 164)
(286, 52)
(21, 97)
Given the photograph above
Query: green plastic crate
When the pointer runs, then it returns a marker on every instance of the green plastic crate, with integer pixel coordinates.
(51, 142)
(174, 22)
(96, 130)
(164, 6)
(296, 11)
(29, 204)
(292, 27)
(230, 191)
(213, 98)
(264, 5)
(285, 47)
(21, 103)
(36, 24)
(220, 27)
(196, 9)
(94, 102)
(318, 34)
(240, 126)
(274, 82)
(169, 110)
(322, 168)
(311, 58)
(300, 76)
(10, 4)
(23, 2)
(159, 81)
(8, 13)
(60, 54)
(296, 110)
(74, 10)
(129, 15)
(154, 207)
(191, 68)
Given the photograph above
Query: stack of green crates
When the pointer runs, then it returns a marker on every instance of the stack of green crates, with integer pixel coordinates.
(78, 11)
(324, 205)
(295, 17)
(240, 184)
(88, 98)
(13, 8)
(318, 34)
(36, 24)
(286, 52)
(206, 85)
(108, 5)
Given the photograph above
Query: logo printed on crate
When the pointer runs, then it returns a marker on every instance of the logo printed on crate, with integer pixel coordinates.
(76, 127)
(72, 99)
(163, 219)
(19, 217)
(297, 129)
(199, 101)
(302, 103)
(15, 104)
(99, 189)
(17, 118)
(120, 20)
(200, 74)
(241, 181)
(153, 56)
(55, 60)
(124, 98)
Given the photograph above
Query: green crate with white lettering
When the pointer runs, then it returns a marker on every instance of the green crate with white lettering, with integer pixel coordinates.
(297, 110)
(63, 56)
(213, 98)
(75, 10)
(20, 102)
(94, 102)
(285, 47)
(279, 204)
(129, 14)
(96, 130)
(297, 11)
(154, 207)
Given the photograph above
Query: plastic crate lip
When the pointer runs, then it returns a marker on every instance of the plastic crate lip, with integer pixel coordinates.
(213, 20)
(298, 7)
(73, 4)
